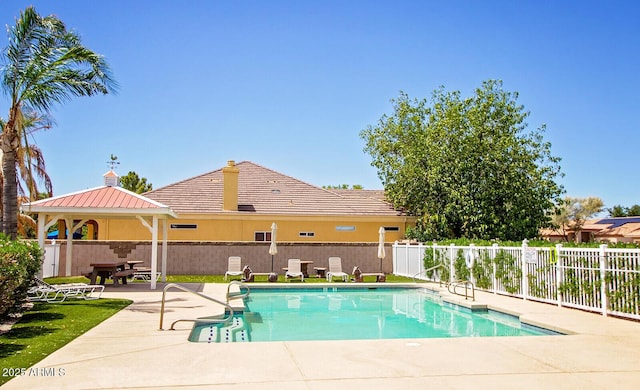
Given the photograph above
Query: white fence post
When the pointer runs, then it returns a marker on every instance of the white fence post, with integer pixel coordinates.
(405, 250)
(421, 250)
(494, 253)
(525, 280)
(394, 258)
(558, 266)
(603, 283)
(451, 258)
(472, 246)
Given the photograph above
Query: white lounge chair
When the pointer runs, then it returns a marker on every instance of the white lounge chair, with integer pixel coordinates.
(144, 274)
(294, 270)
(45, 292)
(335, 270)
(234, 267)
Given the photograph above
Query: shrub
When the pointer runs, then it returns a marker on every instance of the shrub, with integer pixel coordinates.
(19, 263)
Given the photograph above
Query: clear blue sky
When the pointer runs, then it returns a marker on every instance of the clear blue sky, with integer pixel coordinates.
(290, 84)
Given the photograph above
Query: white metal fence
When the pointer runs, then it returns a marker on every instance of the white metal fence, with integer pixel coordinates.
(605, 280)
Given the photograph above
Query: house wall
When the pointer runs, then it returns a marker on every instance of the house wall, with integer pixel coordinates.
(244, 227)
(210, 258)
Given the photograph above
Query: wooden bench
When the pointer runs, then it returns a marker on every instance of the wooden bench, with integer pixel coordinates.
(267, 274)
(102, 275)
(123, 274)
(380, 277)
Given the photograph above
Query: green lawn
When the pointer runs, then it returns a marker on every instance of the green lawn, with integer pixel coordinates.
(48, 327)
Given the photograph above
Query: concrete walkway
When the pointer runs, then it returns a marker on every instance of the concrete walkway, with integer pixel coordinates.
(128, 351)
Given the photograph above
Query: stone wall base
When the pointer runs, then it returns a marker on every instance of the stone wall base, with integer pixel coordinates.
(210, 258)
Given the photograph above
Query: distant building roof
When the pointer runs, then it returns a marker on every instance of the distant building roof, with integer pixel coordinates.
(604, 228)
(264, 191)
(627, 229)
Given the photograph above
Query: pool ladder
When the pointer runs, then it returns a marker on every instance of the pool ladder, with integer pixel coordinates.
(453, 288)
(228, 309)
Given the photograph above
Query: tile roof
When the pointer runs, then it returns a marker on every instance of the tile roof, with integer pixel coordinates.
(264, 191)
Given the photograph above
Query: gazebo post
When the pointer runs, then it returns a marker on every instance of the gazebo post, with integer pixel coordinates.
(154, 252)
(165, 233)
(68, 259)
(41, 237)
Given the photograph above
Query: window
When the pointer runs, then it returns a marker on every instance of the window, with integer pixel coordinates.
(262, 236)
(183, 226)
(345, 228)
(391, 228)
(307, 234)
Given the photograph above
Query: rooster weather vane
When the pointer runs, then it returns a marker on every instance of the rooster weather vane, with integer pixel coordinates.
(114, 162)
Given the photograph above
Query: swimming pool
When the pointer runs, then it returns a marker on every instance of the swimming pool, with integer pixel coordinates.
(357, 314)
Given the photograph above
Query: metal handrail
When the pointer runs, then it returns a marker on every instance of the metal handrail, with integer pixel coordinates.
(466, 284)
(239, 294)
(427, 270)
(207, 320)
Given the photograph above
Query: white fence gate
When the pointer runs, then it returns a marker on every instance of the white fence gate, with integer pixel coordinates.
(51, 260)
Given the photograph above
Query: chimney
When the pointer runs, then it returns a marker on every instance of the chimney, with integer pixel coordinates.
(230, 186)
(111, 179)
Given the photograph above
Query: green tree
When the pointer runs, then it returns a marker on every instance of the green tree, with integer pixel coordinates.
(466, 167)
(633, 211)
(133, 182)
(572, 213)
(617, 211)
(31, 170)
(43, 64)
(620, 211)
(344, 187)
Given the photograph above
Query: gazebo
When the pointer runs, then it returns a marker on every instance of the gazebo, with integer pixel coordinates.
(108, 201)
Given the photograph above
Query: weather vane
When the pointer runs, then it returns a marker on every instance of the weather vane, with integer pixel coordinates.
(114, 161)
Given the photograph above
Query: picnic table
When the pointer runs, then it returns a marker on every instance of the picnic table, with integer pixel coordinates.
(114, 269)
(132, 263)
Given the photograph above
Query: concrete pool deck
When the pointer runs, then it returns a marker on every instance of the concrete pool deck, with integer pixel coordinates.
(127, 351)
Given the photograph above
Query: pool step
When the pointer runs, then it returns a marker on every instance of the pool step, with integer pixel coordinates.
(236, 331)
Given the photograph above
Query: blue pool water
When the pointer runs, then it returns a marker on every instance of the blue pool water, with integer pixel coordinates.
(357, 314)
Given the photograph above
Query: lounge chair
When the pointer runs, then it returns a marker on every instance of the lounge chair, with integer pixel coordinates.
(45, 292)
(294, 270)
(335, 269)
(234, 267)
(144, 274)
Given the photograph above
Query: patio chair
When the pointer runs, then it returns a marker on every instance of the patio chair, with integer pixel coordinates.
(335, 269)
(144, 274)
(45, 292)
(234, 267)
(294, 270)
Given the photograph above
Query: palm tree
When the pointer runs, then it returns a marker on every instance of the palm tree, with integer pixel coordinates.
(43, 64)
(31, 169)
(30, 160)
